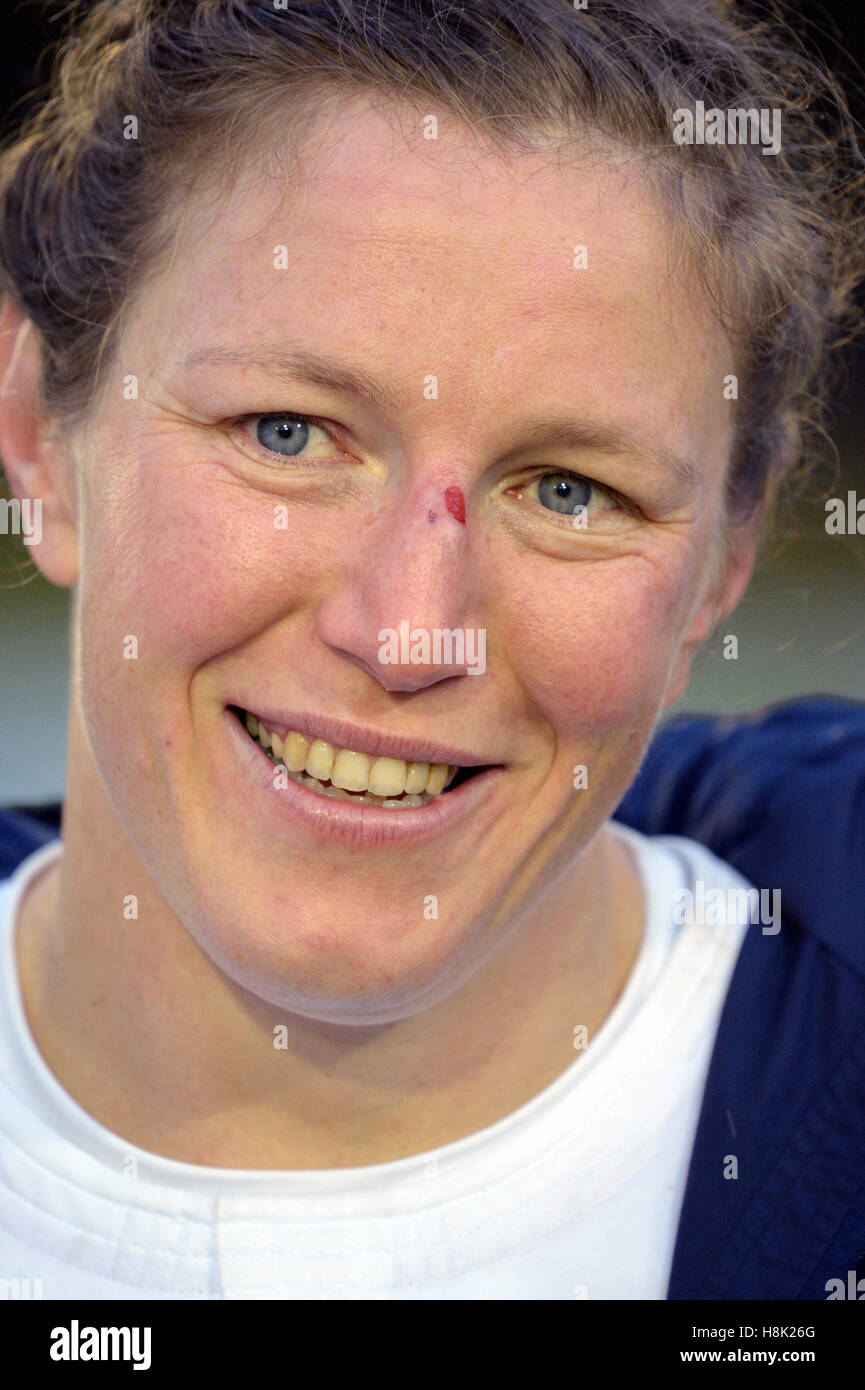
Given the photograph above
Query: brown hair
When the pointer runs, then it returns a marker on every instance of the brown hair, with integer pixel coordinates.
(84, 208)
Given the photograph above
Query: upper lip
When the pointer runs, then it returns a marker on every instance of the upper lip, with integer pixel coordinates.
(359, 739)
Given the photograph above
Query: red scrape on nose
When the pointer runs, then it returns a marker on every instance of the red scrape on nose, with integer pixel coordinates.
(456, 503)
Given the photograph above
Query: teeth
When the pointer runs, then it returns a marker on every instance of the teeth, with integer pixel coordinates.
(319, 760)
(437, 778)
(416, 775)
(387, 777)
(294, 751)
(386, 782)
(351, 771)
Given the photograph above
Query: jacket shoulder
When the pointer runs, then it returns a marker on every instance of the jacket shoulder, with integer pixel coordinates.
(780, 795)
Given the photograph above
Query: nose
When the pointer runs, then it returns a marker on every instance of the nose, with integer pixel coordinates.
(401, 608)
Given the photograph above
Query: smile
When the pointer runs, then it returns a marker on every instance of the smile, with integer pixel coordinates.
(348, 775)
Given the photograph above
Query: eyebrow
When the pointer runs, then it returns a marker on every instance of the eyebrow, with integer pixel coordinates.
(301, 365)
(550, 431)
(600, 437)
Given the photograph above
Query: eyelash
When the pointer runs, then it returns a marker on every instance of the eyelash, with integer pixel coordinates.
(620, 499)
(565, 518)
(287, 414)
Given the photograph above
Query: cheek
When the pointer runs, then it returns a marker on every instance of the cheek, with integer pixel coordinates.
(181, 566)
(190, 563)
(593, 648)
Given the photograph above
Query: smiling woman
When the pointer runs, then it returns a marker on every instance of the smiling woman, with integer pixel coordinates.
(335, 935)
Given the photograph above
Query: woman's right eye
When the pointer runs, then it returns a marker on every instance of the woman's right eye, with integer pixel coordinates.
(286, 434)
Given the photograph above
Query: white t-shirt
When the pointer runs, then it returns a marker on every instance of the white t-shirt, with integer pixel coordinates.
(574, 1195)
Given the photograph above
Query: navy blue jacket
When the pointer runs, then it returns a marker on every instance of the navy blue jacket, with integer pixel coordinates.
(781, 796)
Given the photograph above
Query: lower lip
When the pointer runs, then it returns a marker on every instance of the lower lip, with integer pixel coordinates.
(361, 825)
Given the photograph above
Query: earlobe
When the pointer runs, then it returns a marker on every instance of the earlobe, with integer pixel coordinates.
(680, 674)
(35, 468)
(720, 602)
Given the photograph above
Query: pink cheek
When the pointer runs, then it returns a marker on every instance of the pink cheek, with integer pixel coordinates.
(601, 671)
(207, 569)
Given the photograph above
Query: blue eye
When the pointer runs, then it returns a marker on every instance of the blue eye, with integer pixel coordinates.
(283, 434)
(564, 492)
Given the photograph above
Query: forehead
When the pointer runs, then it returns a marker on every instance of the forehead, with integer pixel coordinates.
(500, 274)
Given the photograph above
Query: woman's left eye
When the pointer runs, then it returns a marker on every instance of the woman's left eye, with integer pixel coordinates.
(286, 434)
(570, 494)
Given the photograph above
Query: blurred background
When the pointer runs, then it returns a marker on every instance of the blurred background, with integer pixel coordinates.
(800, 628)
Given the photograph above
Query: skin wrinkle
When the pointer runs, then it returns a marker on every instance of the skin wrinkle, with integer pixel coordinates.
(403, 1032)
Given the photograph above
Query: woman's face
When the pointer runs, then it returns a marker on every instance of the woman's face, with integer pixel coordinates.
(259, 564)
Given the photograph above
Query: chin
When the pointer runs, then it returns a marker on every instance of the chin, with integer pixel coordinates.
(351, 965)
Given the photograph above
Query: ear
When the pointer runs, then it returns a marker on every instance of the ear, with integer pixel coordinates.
(734, 573)
(37, 469)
